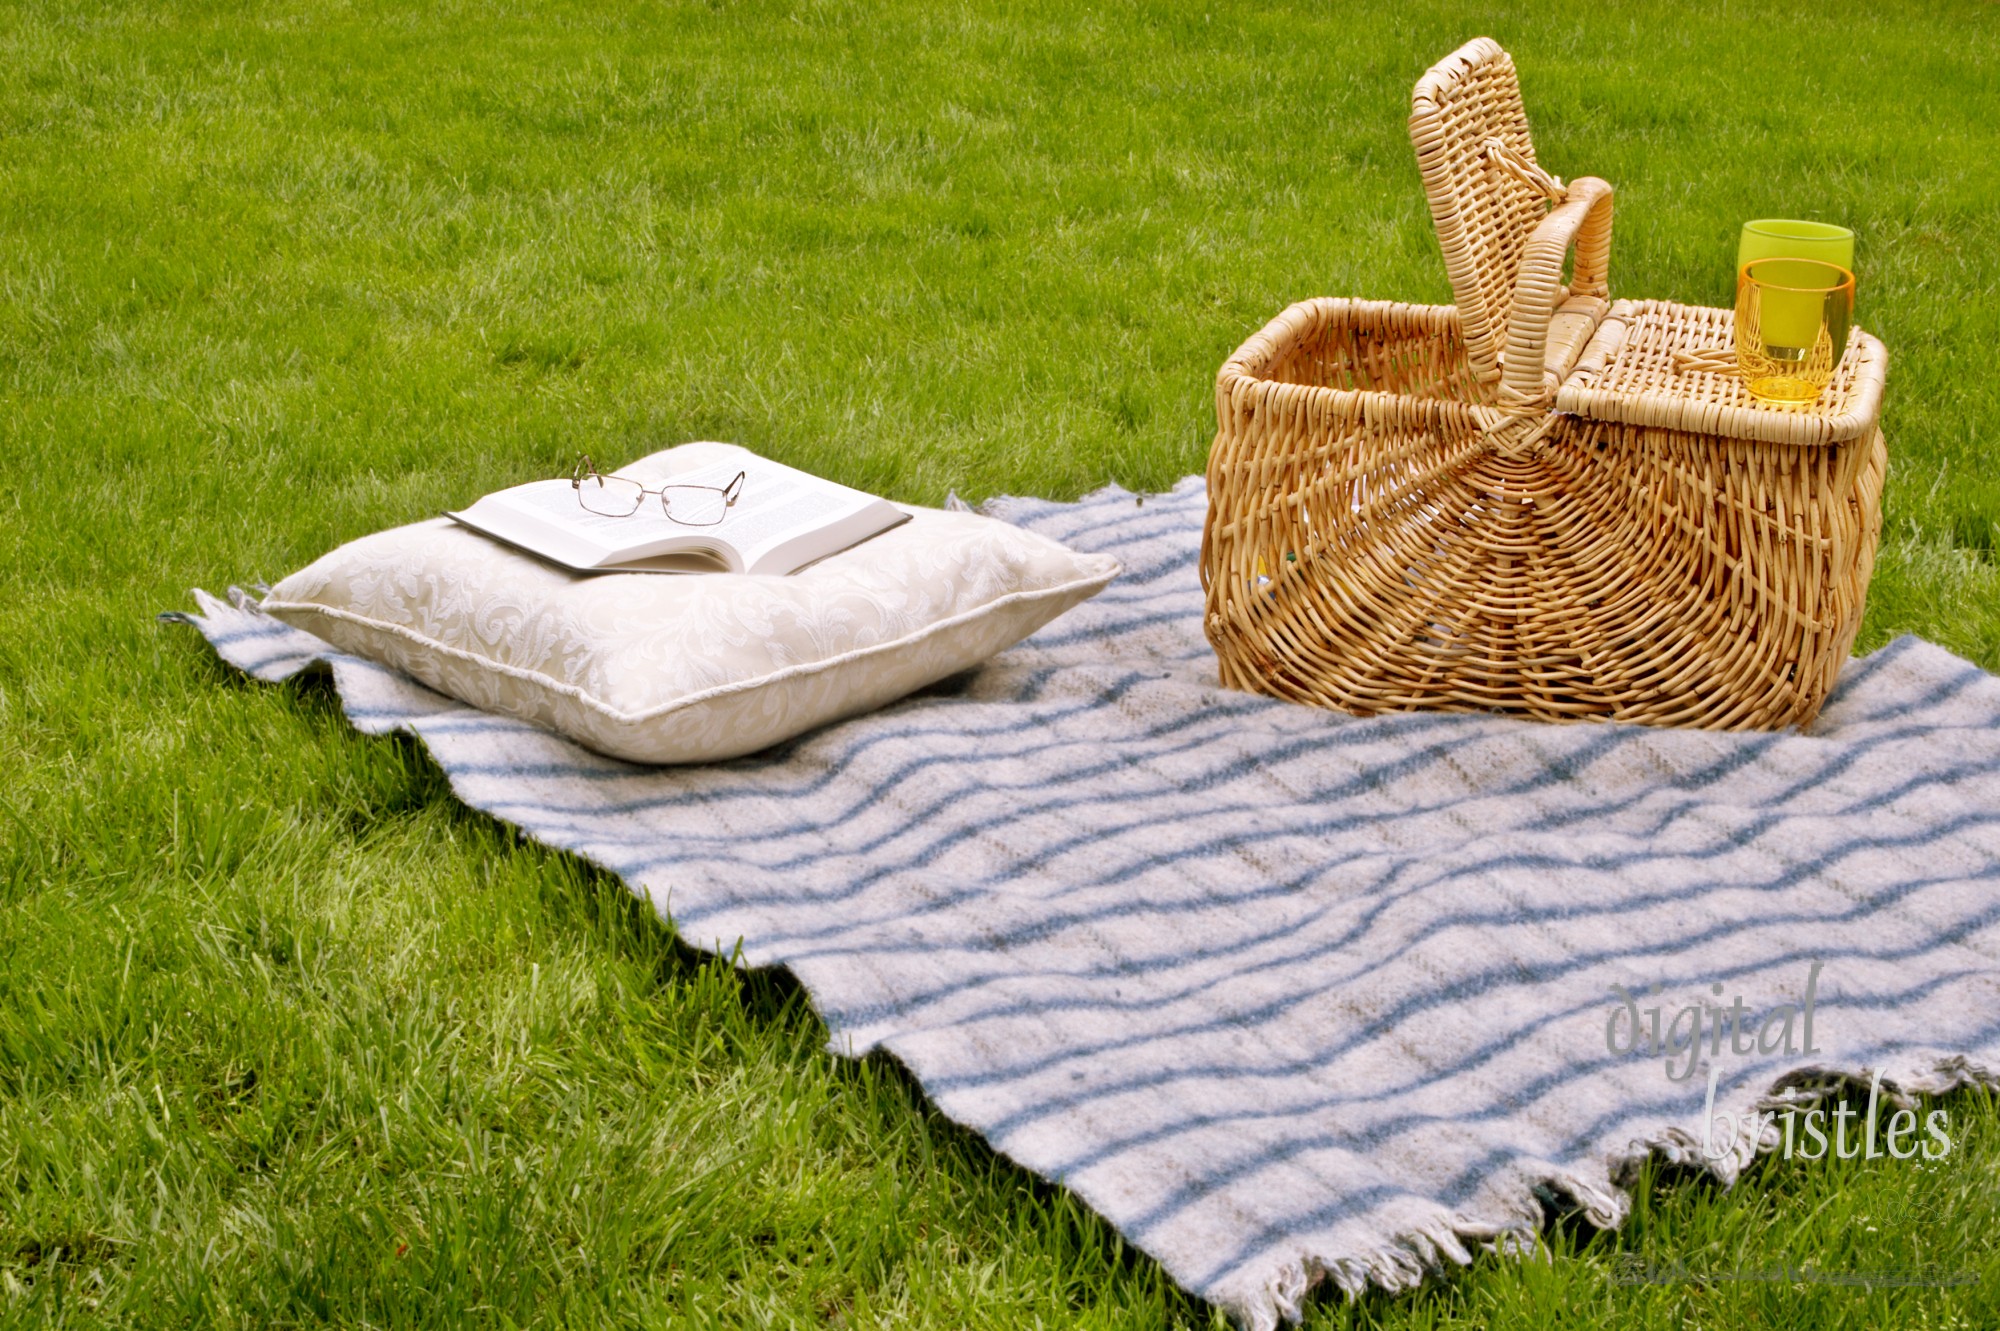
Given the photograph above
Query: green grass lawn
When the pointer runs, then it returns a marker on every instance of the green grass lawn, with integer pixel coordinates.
(289, 1037)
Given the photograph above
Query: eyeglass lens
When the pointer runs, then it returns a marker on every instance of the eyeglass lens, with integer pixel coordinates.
(610, 496)
(694, 505)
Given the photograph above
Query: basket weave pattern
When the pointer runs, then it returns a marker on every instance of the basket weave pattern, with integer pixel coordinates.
(1545, 503)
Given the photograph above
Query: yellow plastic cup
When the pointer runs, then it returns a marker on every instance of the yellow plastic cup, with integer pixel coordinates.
(1792, 317)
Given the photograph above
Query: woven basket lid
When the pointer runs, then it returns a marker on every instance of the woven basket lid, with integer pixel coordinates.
(1669, 366)
(1483, 214)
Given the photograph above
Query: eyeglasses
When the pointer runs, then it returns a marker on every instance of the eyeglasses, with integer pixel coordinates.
(620, 496)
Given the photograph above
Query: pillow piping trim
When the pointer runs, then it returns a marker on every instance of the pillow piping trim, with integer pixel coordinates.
(584, 696)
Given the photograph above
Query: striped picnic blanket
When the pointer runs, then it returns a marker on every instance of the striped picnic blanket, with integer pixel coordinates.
(1287, 994)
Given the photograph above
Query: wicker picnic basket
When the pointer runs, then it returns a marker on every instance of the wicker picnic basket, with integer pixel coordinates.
(1539, 500)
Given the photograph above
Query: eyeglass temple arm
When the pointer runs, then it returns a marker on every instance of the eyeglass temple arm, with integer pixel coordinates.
(733, 489)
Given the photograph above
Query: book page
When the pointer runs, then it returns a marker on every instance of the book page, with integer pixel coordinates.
(556, 501)
(778, 504)
(782, 518)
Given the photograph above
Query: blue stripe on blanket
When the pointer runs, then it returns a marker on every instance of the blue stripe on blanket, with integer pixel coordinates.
(1284, 993)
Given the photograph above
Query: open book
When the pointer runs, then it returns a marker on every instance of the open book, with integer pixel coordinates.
(782, 520)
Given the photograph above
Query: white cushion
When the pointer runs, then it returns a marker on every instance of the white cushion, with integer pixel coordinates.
(692, 668)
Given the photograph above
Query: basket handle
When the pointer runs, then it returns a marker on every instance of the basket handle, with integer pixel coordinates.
(1582, 219)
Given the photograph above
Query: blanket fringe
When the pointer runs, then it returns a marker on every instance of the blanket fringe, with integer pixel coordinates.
(1401, 1264)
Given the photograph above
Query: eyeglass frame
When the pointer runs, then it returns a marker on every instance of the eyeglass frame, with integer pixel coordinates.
(586, 470)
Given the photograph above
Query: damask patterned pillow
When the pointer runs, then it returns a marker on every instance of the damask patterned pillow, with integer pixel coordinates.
(675, 669)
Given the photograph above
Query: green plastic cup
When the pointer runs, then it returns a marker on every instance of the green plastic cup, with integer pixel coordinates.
(1788, 238)
(1782, 238)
